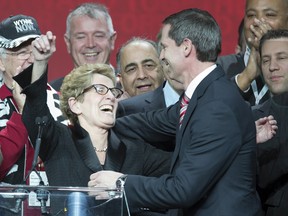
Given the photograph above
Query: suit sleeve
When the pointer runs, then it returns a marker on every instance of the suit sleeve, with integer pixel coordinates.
(155, 127)
(209, 151)
(156, 161)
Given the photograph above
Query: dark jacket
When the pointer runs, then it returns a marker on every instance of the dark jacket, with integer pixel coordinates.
(213, 169)
(273, 158)
(67, 152)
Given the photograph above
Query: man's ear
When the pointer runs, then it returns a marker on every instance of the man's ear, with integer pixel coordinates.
(113, 39)
(2, 67)
(119, 78)
(187, 46)
(74, 105)
(67, 42)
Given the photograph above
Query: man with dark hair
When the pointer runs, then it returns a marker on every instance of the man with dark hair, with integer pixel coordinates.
(213, 169)
(273, 154)
(243, 68)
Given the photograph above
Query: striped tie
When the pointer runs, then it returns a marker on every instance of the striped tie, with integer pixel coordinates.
(183, 108)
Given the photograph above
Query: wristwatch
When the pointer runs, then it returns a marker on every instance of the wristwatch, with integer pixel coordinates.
(121, 181)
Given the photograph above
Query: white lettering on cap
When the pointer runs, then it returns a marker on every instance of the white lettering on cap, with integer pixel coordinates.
(24, 25)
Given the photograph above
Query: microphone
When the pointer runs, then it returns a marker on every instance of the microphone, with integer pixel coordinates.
(42, 194)
(42, 197)
(41, 122)
(77, 204)
(23, 193)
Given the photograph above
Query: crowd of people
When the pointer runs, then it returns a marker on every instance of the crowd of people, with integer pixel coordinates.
(185, 130)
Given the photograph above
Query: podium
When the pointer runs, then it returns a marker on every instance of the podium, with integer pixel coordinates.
(23, 200)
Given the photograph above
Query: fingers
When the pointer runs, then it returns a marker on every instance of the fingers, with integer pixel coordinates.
(258, 28)
(45, 43)
(260, 121)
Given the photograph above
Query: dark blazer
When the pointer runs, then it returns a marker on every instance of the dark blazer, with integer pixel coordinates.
(149, 101)
(67, 152)
(213, 169)
(69, 148)
(273, 158)
(152, 100)
(234, 64)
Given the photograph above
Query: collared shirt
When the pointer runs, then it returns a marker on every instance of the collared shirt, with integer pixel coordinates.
(246, 55)
(170, 95)
(197, 80)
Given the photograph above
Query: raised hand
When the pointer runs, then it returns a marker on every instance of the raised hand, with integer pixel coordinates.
(44, 46)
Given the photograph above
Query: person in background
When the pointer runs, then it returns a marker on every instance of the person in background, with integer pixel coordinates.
(243, 69)
(273, 154)
(138, 67)
(89, 36)
(241, 42)
(89, 144)
(145, 60)
(215, 149)
(16, 35)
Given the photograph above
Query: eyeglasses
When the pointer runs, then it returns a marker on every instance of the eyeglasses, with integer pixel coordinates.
(103, 90)
(22, 55)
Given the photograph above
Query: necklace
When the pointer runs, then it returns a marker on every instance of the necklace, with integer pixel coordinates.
(100, 150)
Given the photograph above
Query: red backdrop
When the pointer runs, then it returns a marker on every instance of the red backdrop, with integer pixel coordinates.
(130, 18)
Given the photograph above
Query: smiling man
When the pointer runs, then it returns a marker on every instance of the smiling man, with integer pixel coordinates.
(89, 36)
(273, 154)
(243, 68)
(139, 66)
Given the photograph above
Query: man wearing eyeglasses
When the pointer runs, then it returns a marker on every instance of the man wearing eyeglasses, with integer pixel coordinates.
(16, 35)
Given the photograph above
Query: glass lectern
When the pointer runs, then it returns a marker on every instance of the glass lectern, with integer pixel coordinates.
(26, 200)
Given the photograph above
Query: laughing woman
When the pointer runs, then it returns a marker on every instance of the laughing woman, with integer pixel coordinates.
(89, 100)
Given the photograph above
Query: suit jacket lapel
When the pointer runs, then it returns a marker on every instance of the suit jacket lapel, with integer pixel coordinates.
(116, 153)
(85, 148)
(199, 91)
(155, 100)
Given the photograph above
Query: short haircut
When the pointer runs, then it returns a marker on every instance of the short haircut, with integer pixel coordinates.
(198, 26)
(93, 10)
(272, 34)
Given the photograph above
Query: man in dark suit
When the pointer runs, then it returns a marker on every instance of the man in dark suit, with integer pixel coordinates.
(260, 16)
(213, 169)
(273, 154)
(161, 97)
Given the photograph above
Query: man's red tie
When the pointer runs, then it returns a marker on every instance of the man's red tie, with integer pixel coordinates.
(183, 108)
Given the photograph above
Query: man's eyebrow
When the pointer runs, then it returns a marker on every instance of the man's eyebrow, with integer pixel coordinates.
(130, 65)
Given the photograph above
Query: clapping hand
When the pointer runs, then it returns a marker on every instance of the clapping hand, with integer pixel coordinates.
(266, 128)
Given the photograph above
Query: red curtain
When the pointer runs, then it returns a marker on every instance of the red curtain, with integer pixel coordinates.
(130, 18)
